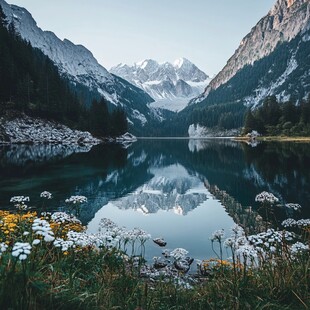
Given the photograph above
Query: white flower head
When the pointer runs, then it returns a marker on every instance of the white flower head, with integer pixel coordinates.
(3, 248)
(76, 199)
(36, 241)
(178, 253)
(19, 199)
(303, 223)
(293, 206)
(218, 235)
(65, 245)
(289, 223)
(62, 217)
(266, 197)
(43, 228)
(247, 251)
(46, 195)
(299, 247)
(21, 250)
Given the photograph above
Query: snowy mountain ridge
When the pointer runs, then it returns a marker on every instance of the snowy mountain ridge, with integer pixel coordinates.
(78, 65)
(167, 83)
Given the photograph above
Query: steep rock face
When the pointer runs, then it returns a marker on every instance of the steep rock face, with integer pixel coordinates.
(283, 22)
(77, 64)
(182, 79)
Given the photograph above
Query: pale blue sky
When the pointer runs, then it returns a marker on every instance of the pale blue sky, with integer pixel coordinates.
(207, 32)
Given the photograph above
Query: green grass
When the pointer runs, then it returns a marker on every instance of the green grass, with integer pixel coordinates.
(87, 277)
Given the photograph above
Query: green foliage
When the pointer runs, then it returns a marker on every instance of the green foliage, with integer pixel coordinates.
(274, 118)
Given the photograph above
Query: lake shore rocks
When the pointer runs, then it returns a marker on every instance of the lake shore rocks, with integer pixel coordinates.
(23, 129)
(160, 241)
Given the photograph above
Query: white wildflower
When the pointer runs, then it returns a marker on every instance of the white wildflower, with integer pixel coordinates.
(299, 247)
(178, 253)
(218, 235)
(289, 223)
(266, 197)
(21, 250)
(46, 195)
(229, 243)
(293, 206)
(43, 228)
(106, 224)
(36, 241)
(62, 217)
(82, 239)
(303, 223)
(247, 251)
(3, 248)
(19, 199)
(76, 199)
(65, 245)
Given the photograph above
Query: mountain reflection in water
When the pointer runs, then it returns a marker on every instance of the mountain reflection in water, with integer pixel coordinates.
(162, 186)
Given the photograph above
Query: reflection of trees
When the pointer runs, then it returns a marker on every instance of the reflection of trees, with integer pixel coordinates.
(245, 217)
(285, 166)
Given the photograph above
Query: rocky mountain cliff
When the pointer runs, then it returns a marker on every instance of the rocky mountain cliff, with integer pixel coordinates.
(272, 60)
(77, 64)
(283, 23)
(165, 82)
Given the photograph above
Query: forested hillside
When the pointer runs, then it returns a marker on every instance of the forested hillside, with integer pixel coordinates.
(30, 83)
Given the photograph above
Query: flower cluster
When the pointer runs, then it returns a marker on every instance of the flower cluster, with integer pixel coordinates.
(76, 199)
(21, 250)
(266, 197)
(293, 223)
(293, 206)
(298, 248)
(178, 253)
(62, 217)
(218, 235)
(20, 202)
(19, 199)
(46, 195)
(65, 245)
(3, 248)
(247, 251)
(43, 228)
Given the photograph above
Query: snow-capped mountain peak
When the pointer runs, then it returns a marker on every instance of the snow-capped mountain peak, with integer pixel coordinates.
(180, 80)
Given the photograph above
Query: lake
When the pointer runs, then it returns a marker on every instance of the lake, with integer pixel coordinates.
(178, 189)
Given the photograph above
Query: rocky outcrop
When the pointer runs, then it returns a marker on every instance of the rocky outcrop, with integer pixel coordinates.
(283, 23)
(25, 129)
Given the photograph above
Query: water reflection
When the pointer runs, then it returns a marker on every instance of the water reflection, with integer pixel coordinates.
(164, 186)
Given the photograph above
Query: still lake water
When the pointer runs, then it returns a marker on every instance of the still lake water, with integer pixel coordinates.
(181, 190)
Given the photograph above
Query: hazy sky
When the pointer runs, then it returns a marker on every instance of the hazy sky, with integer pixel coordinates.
(207, 32)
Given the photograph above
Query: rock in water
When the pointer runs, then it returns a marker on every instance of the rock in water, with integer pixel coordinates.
(161, 242)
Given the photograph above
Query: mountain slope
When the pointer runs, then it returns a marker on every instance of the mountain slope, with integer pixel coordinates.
(78, 65)
(273, 59)
(283, 23)
(169, 84)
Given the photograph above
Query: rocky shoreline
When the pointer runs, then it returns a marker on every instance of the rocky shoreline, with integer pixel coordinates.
(24, 129)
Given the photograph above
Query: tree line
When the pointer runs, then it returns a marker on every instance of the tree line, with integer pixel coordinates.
(30, 83)
(276, 118)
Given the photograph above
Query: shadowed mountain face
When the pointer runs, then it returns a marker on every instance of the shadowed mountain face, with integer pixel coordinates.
(77, 65)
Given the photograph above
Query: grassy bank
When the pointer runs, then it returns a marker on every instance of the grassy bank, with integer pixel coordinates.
(276, 138)
(48, 261)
